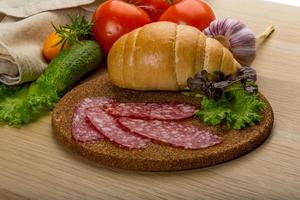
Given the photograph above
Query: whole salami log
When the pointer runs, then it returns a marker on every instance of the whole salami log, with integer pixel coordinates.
(170, 132)
(82, 130)
(110, 128)
(159, 111)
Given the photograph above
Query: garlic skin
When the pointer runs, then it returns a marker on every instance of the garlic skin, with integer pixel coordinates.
(235, 36)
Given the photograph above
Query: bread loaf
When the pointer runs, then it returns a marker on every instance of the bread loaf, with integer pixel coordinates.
(163, 55)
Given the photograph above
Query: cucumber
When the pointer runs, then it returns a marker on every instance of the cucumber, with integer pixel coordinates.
(71, 64)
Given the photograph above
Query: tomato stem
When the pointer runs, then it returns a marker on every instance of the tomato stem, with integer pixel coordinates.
(170, 2)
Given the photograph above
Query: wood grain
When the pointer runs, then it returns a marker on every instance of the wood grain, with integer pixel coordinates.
(34, 166)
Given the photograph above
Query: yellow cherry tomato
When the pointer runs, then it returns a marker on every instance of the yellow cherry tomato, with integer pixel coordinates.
(50, 48)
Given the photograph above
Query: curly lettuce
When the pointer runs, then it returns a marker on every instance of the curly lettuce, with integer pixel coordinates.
(237, 107)
(26, 103)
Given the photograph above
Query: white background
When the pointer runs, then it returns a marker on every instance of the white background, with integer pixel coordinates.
(287, 2)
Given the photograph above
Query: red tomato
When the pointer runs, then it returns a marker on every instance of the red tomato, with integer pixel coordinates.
(154, 8)
(115, 18)
(195, 13)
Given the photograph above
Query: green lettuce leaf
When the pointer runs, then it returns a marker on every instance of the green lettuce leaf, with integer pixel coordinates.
(23, 104)
(237, 108)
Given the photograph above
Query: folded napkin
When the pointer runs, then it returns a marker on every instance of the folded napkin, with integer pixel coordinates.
(26, 8)
(21, 40)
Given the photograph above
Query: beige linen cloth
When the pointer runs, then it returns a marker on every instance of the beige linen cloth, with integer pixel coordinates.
(23, 30)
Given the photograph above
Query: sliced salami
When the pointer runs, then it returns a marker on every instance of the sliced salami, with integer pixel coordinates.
(170, 132)
(82, 130)
(171, 111)
(135, 110)
(110, 128)
(159, 111)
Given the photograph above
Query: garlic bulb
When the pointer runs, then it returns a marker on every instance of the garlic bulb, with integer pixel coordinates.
(235, 36)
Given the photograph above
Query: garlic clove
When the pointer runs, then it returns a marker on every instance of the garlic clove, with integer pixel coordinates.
(235, 36)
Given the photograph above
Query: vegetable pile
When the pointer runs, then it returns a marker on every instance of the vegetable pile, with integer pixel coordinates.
(72, 56)
(23, 104)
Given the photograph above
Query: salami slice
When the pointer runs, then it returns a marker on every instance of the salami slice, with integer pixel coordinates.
(135, 110)
(159, 111)
(111, 129)
(82, 130)
(170, 132)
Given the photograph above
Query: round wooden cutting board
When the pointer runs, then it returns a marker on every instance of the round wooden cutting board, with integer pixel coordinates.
(155, 157)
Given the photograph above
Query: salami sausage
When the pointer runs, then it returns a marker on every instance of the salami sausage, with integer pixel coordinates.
(82, 130)
(170, 132)
(159, 111)
(109, 127)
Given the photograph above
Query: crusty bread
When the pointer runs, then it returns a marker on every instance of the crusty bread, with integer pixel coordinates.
(156, 157)
(163, 55)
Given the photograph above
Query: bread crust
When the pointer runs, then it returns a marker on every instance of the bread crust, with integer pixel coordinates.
(200, 52)
(155, 58)
(185, 53)
(227, 66)
(129, 60)
(213, 56)
(116, 62)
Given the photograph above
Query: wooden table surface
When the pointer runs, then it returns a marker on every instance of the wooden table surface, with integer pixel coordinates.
(34, 166)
